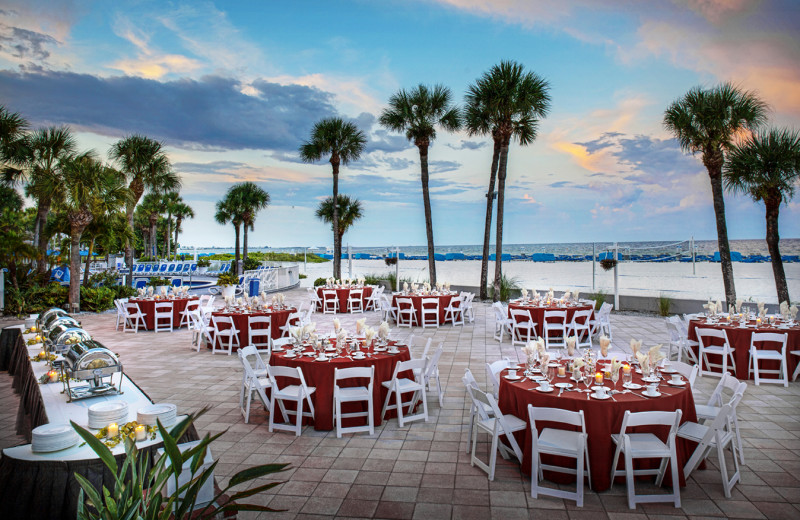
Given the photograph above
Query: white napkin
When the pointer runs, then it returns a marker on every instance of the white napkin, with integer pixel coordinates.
(383, 330)
(604, 344)
(655, 355)
(636, 345)
(369, 333)
(524, 293)
(360, 324)
(571, 346)
(336, 324)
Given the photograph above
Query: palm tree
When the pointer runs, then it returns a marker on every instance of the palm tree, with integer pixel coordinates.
(48, 146)
(147, 167)
(509, 103)
(252, 199)
(229, 209)
(766, 166)
(418, 112)
(349, 211)
(170, 200)
(14, 150)
(87, 189)
(181, 211)
(152, 207)
(15, 246)
(708, 121)
(344, 142)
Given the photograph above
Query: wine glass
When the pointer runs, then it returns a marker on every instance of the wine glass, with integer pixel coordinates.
(615, 378)
(627, 378)
(551, 374)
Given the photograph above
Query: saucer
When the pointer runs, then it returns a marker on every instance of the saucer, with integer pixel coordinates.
(290, 354)
(658, 394)
(603, 398)
(651, 379)
(563, 385)
(393, 351)
(673, 383)
(547, 391)
(359, 358)
(321, 358)
(513, 378)
(669, 370)
(632, 386)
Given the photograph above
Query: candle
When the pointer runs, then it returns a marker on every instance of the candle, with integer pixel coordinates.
(112, 430)
(141, 433)
(598, 378)
(626, 369)
(53, 376)
(42, 354)
(562, 371)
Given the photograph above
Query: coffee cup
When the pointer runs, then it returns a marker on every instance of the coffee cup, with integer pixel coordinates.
(358, 355)
(652, 389)
(676, 378)
(600, 392)
(512, 373)
(544, 384)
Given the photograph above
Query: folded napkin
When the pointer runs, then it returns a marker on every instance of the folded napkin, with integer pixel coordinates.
(360, 324)
(575, 293)
(571, 346)
(438, 286)
(530, 350)
(784, 310)
(369, 334)
(524, 293)
(566, 295)
(297, 333)
(405, 286)
(336, 324)
(604, 344)
(545, 359)
(577, 364)
(540, 346)
(635, 346)
(719, 306)
(793, 311)
(550, 293)
(655, 355)
(311, 327)
(383, 330)
(644, 361)
(738, 306)
(447, 285)
(615, 366)
(150, 290)
(341, 338)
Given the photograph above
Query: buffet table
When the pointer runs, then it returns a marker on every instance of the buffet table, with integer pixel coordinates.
(148, 308)
(342, 294)
(42, 485)
(319, 374)
(602, 419)
(537, 312)
(241, 321)
(739, 339)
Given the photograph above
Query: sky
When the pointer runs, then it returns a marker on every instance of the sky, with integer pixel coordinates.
(232, 89)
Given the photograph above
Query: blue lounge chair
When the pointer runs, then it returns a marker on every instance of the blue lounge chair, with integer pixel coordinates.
(162, 268)
(148, 268)
(176, 282)
(141, 283)
(171, 268)
(193, 268)
(186, 267)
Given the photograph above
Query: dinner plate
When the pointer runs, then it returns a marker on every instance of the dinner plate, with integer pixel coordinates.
(564, 385)
(513, 378)
(547, 391)
(632, 386)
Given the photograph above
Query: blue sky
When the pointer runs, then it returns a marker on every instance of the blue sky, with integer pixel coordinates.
(233, 88)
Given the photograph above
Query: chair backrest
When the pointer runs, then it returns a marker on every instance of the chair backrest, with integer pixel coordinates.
(162, 306)
(469, 379)
(481, 398)
(251, 320)
(224, 320)
(251, 352)
(192, 305)
(354, 372)
(420, 342)
(777, 340)
(162, 268)
(555, 316)
(429, 303)
(673, 328)
(170, 267)
(433, 363)
(411, 364)
(635, 419)
(280, 342)
(405, 301)
(582, 317)
(556, 415)
(520, 315)
(328, 294)
(356, 294)
(289, 372)
(686, 370)
(605, 310)
(494, 368)
(704, 336)
(499, 311)
(132, 308)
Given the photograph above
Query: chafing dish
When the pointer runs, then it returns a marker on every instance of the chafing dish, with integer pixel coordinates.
(91, 362)
(59, 325)
(48, 316)
(62, 336)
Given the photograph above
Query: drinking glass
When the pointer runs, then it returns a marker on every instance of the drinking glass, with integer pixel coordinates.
(551, 373)
(627, 378)
(615, 378)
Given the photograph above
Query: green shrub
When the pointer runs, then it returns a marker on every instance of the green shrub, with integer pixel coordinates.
(35, 298)
(303, 276)
(106, 278)
(123, 291)
(373, 279)
(599, 298)
(203, 262)
(664, 304)
(227, 279)
(320, 281)
(506, 286)
(97, 299)
(157, 281)
(251, 264)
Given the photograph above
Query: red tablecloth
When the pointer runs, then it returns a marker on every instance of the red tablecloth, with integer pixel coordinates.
(148, 308)
(319, 374)
(537, 313)
(241, 320)
(343, 293)
(739, 339)
(444, 301)
(602, 419)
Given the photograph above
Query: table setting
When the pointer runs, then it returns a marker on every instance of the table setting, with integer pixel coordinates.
(240, 309)
(343, 288)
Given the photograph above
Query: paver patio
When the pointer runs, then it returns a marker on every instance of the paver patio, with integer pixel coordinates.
(423, 470)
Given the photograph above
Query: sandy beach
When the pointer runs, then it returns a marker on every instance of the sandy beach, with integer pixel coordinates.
(753, 281)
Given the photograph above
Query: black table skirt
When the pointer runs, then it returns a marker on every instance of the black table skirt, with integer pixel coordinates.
(46, 489)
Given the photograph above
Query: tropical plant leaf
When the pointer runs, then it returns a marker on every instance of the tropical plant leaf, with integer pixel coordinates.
(252, 491)
(98, 447)
(255, 472)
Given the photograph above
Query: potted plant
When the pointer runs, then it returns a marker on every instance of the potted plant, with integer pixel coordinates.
(202, 265)
(158, 283)
(228, 283)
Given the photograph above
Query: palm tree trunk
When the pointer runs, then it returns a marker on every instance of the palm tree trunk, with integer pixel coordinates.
(177, 227)
(244, 244)
(487, 230)
(337, 239)
(75, 269)
(88, 259)
(169, 234)
(154, 237)
(40, 239)
(501, 187)
(714, 167)
(236, 250)
(137, 189)
(426, 200)
(773, 204)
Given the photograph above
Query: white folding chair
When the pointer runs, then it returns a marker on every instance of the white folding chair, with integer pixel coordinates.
(119, 304)
(276, 345)
(581, 328)
(679, 340)
(292, 321)
(706, 338)
(220, 334)
(601, 325)
(162, 317)
(647, 446)
(355, 301)
(201, 330)
(493, 370)
(133, 317)
(715, 436)
(255, 379)
(259, 331)
(495, 425)
(191, 306)
(373, 301)
(709, 411)
(314, 300)
(401, 385)
(686, 370)
(773, 348)
(207, 302)
(469, 311)
(432, 373)
(454, 312)
(563, 443)
(406, 314)
(797, 369)
(523, 328)
(387, 311)
(502, 323)
(429, 307)
(554, 324)
(330, 302)
(349, 394)
(469, 380)
(419, 342)
(299, 393)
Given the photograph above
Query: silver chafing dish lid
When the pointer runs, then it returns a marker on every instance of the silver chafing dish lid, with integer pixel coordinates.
(89, 355)
(50, 315)
(59, 325)
(65, 333)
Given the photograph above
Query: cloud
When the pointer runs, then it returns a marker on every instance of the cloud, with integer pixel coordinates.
(209, 113)
(25, 44)
(468, 145)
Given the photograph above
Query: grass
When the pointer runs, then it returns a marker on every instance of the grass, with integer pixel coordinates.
(273, 257)
(506, 286)
(664, 304)
(599, 297)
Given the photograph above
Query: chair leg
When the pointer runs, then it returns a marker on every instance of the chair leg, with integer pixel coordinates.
(676, 490)
(629, 479)
(399, 400)
(579, 477)
(493, 456)
(337, 417)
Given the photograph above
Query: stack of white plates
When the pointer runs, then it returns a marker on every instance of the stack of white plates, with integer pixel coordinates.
(53, 437)
(103, 414)
(165, 412)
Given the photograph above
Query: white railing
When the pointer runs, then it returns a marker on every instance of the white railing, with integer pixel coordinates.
(274, 277)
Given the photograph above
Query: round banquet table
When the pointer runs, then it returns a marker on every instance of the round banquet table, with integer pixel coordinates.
(444, 301)
(241, 319)
(602, 419)
(739, 339)
(537, 312)
(319, 374)
(343, 293)
(148, 308)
